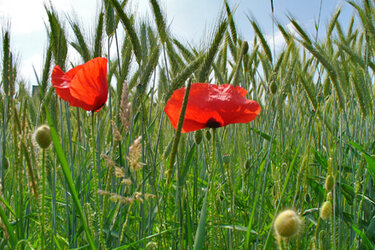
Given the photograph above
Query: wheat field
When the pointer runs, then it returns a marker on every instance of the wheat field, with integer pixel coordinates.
(124, 178)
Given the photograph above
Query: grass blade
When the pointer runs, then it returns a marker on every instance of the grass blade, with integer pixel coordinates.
(200, 234)
(129, 30)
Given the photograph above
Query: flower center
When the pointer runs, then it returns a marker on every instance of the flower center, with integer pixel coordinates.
(212, 123)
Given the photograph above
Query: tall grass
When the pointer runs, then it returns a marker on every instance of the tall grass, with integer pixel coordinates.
(107, 185)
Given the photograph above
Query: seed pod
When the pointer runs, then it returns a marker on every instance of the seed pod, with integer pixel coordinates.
(247, 164)
(326, 210)
(208, 135)
(287, 223)
(198, 135)
(273, 87)
(6, 163)
(43, 136)
(307, 197)
(245, 47)
(226, 159)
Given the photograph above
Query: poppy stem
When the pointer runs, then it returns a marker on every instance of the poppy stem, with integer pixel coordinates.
(211, 189)
(95, 177)
(43, 199)
(178, 131)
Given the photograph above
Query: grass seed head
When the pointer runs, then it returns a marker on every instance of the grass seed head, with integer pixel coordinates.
(43, 136)
(135, 151)
(119, 172)
(125, 107)
(287, 223)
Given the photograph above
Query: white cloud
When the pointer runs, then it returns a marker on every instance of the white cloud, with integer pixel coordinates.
(26, 68)
(26, 20)
(24, 16)
(277, 41)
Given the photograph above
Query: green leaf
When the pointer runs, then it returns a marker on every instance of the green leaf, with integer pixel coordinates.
(187, 165)
(364, 238)
(370, 161)
(201, 230)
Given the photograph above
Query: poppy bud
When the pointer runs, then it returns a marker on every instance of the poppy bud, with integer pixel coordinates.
(307, 197)
(326, 210)
(6, 163)
(273, 87)
(208, 135)
(198, 135)
(327, 87)
(245, 47)
(287, 223)
(329, 183)
(43, 136)
(247, 164)
(226, 159)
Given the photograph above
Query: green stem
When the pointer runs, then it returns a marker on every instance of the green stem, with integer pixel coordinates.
(96, 181)
(43, 198)
(231, 192)
(178, 131)
(211, 190)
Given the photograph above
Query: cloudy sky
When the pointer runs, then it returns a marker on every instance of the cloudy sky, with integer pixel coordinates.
(189, 20)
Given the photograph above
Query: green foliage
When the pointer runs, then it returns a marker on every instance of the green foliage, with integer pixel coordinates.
(263, 41)
(6, 63)
(212, 51)
(129, 29)
(57, 38)
(81, 46)
(160, 21)
(99, 36)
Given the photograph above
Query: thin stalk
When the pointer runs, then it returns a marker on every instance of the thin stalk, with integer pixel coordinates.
(3, 137)
(178, 132)
(232, 196)
(43, 199)
(96, 181)
(67, 202)
(211, 189)
(68, 124)
(54, 205)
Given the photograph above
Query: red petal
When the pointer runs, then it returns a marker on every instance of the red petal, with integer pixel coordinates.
(71, 73)
(89, 84)
(211, 105)
(61, 82)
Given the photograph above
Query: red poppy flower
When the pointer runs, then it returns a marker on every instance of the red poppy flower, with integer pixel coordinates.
(211, 106)
(84, 86)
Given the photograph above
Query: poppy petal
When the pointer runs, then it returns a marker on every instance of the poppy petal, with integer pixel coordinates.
(61, 82)
(89, 84)
(211, 106)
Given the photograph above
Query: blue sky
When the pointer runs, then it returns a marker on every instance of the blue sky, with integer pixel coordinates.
(189, 20)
